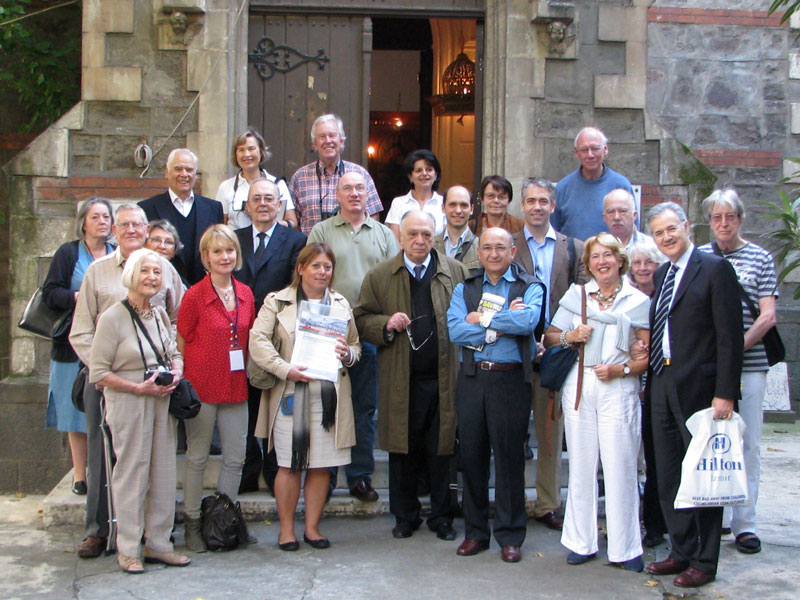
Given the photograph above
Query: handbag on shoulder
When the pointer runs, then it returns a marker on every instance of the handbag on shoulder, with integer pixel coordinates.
(41, 320)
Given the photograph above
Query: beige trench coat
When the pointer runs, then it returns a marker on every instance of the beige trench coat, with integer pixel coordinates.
(271, 345)
(385, 291)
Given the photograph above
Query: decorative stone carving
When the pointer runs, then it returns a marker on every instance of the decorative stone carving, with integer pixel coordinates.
(559, 39)
(177, 27)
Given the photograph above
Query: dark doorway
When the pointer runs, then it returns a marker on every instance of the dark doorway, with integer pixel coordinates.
(399, 114)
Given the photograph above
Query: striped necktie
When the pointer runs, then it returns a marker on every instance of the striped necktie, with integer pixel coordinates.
(660, 322)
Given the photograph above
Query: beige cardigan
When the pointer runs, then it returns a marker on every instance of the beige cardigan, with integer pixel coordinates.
(271, 345)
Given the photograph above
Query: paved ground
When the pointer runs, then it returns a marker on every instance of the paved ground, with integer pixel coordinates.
(365, 561)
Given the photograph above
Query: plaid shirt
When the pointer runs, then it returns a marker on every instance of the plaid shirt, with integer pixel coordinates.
(314, 192)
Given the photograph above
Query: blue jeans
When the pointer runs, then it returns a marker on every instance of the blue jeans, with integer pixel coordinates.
(364, 383)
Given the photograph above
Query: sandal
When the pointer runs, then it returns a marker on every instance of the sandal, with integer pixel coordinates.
(130, 564)
(748, 543)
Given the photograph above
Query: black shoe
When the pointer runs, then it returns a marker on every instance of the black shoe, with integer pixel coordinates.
(725, 531)
(445, 532)
(528, 449)
(364, 492)
(214, 450)
(289, 546)
(79, 488)
(404, 529)
(320, 544)
(248, 486)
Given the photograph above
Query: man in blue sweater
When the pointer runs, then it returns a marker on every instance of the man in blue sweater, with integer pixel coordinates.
(579, 195)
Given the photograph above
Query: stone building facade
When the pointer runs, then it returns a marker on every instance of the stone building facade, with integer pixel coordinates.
(692, 94)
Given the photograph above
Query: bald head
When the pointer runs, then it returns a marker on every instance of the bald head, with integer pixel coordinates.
(619, 214)
(496, 252)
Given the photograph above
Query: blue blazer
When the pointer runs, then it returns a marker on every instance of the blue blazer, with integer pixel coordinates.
(276, 271)
(208, 213)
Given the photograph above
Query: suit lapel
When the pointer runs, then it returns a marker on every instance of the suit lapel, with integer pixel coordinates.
(560, 257)
(248, 252)
(658, 280)
(276, 241)
(692, 269)
(524, 253)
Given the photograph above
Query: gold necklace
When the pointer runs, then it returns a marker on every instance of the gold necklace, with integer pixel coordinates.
(606, 302)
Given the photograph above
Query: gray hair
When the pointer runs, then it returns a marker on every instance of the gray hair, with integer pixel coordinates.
(133, 264)
(170, 229)
(542, 183)
(592, 130)
(83, 210)
(429, 216)
(727, 198)
(171, 158)
(134, 208)
(628, 195)
(658, 209)
(648, 249)
(324, 119)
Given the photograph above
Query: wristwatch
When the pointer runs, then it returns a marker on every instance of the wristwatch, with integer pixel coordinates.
(626, 370)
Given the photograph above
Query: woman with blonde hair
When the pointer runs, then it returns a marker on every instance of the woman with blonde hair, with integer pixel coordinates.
(214, 324)
(602, 418)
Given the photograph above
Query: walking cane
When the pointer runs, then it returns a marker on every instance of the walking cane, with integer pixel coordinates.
(111, 542)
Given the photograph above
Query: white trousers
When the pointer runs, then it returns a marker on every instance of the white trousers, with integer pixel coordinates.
(143, 481)
(607, 427)
(742, 519)
(231, 421)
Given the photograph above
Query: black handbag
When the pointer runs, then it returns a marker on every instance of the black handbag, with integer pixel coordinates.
(78, 386)
(222, 524)
(41, 320)
(555, 365)
(184, 403)
(772, 341)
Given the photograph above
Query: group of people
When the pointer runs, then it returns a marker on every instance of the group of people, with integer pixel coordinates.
(446, 324)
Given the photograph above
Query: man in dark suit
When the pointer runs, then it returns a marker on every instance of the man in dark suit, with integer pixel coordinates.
(556, 260)
(191, 215)
(269, 253)
(696, 349)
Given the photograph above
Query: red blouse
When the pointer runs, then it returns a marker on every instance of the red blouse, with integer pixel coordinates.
(208, 333)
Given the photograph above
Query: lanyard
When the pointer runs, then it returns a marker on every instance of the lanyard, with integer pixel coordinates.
(261, 172)
(338, 170)
(235, 321)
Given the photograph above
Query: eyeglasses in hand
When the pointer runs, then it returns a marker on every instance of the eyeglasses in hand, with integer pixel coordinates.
(415, 345)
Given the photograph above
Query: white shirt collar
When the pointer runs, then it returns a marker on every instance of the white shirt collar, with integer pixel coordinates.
(183, 206)
(269, 233)
(410, 264)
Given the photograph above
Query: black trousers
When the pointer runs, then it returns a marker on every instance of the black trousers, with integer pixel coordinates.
(423, 446)
(493, 409)
(254, 461)
(96, 476)
(694, 533)
(652, 517)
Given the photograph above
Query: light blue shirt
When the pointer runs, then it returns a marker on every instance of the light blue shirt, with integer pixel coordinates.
(510, 322)
(542, 257)
(450, 248)
(411, 264)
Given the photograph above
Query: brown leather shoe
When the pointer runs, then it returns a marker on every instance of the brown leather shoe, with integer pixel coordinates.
(471, 547)
(693, 578)
(91, 546)
(364, 492)
(670, 566)
(551, 521)
(511, 554)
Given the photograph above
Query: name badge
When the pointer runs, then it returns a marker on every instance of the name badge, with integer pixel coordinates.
(236, 356)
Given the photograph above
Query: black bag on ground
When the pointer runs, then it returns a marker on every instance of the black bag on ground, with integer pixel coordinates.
(77, 388)
(223, 527)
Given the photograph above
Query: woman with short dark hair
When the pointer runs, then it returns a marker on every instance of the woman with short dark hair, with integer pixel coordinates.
(496, 195)
(424, 173)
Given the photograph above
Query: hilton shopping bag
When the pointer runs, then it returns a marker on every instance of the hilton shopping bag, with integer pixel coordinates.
(712, 473)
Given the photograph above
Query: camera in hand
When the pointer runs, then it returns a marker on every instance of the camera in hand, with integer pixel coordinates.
(163, 376)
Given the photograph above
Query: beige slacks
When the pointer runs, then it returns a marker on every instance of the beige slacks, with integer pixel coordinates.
(143, 482)
(548, 464)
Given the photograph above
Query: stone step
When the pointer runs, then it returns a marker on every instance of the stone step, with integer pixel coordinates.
(62, 507)
(380, 478)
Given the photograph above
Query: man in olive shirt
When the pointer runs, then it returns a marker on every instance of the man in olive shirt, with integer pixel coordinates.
(359, 242)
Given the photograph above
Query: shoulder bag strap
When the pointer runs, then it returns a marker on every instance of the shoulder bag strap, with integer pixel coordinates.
(137, 321)
(580, 351)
